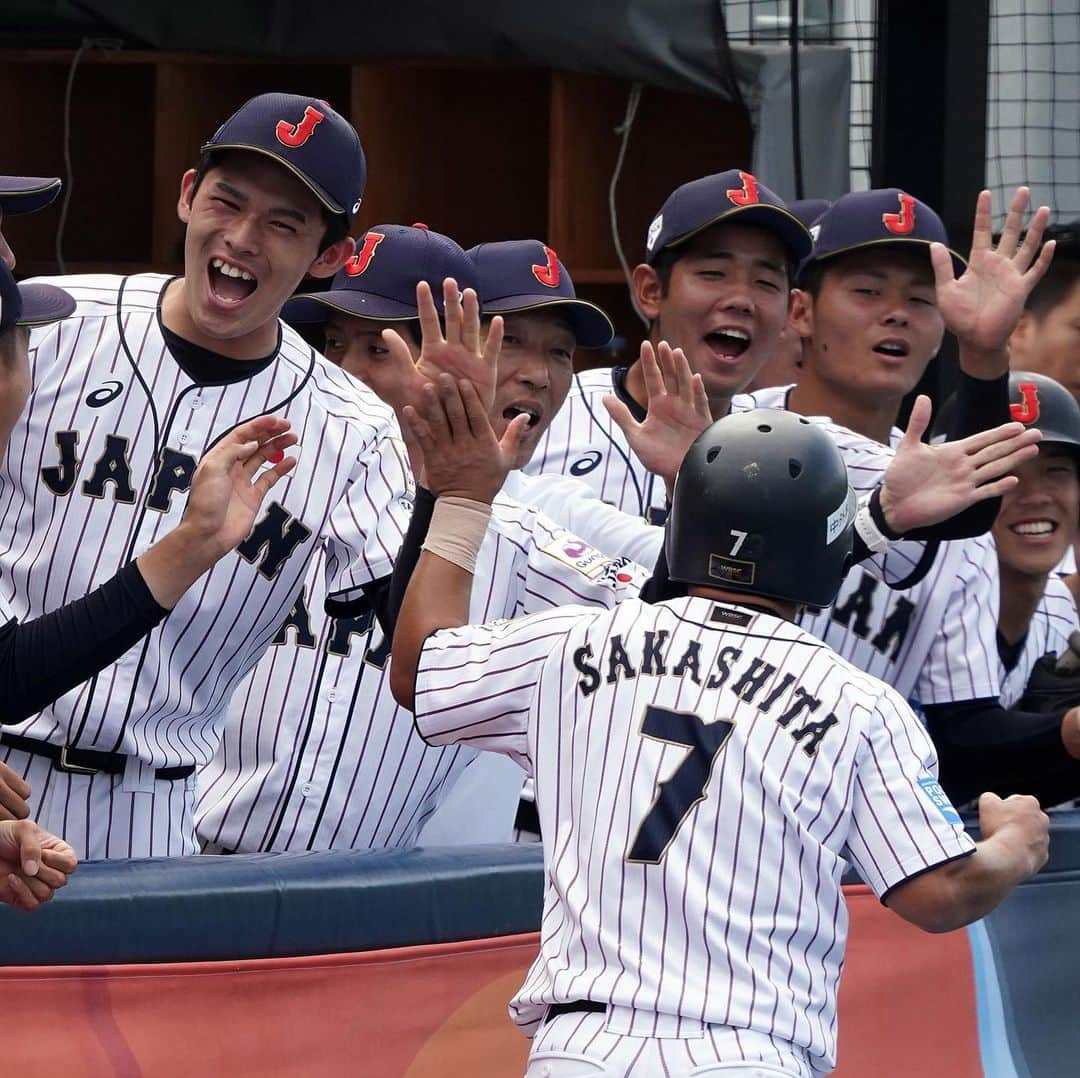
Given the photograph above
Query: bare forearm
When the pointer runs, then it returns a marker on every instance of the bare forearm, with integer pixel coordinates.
(437, 598)
(962, 891)
(176, 561)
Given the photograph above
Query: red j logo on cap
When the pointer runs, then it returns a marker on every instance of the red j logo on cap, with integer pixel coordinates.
(746, 195)
(1026, 411)
(362, 259)
(295, 135)
(548, 274)
(903, 222)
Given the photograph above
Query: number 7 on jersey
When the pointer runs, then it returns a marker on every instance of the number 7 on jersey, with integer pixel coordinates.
(677, 795)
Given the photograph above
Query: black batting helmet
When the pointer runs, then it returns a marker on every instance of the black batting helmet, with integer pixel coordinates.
(1040, 402)
(762, 505)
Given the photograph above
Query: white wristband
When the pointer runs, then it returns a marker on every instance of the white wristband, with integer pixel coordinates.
(457, 528)
(867, 530)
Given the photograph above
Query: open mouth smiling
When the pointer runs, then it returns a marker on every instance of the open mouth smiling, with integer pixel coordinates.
(229, 283)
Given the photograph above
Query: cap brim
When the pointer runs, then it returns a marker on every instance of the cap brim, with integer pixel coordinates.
(592, 327)
(26, 194)
(318, 306)
(783, 224)
(314, 188)
(43, 303)
(959, 262)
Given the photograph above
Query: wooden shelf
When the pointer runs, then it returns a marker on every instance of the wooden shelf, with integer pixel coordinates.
(478, 151)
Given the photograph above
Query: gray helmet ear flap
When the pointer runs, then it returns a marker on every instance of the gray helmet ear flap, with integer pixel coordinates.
(762, 504)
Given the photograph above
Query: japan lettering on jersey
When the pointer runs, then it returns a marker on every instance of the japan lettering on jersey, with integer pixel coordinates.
(317, 754)
(98, 469)
(704, 773)
(1048, 633)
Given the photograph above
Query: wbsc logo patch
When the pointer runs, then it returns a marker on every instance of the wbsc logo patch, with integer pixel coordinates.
(939, 799)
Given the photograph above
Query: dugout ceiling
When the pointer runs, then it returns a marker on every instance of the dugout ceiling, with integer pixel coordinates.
(680, 46)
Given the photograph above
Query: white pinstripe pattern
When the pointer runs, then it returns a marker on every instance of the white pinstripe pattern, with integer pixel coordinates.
(1054, 619)
(317, 755)
(164, 701)
(749, 884)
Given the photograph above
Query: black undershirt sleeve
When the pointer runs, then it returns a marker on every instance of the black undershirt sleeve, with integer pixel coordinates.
(42, 659)
(983, 746)
(405, 562)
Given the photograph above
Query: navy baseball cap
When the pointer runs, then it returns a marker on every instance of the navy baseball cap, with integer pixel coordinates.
(886, 217)
(379, 281)
(30, 304)
(315, 143)
(734, 196)
(25, 194)
(808, 210)
(526, 275)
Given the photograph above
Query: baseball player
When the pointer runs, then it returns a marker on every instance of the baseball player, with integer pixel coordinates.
(868, 316)
(127, 395)
(1028, 741)
(317, 755)
(23, 194)
(704, 768)
(720, 256)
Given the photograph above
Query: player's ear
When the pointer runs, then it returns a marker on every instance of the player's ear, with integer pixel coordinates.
(187, 193)
(1020, 337)
(801, 313)
(648, 291)
(333, 258)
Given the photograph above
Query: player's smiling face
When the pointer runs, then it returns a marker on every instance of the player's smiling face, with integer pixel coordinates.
(253, 232)
(873, 325)
(357, 347)
(725, 305)
(536, 365)
(1039, 517)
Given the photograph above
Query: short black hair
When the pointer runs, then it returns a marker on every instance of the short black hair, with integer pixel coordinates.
(668, 256)
(9, 343)
(336, 225)
(1056, 286)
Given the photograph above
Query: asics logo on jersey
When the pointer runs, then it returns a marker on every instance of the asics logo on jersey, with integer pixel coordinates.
(584, 465)
(294, 135)
(1026, 410)
(902, 223)
(746, 195)
(548, 274)
(362, 259)
(108, 392)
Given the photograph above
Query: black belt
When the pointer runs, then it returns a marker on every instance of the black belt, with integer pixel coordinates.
(86, 761)
(527, 818)
(577, 1006)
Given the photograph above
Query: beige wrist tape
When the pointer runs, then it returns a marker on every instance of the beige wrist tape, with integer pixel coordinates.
(457, 529)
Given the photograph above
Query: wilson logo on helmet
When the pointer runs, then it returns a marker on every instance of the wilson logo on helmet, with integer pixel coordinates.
(295, 135)
(1026, 410)
(902, 223)
(548, 274)
(746, 195)
(362, 259)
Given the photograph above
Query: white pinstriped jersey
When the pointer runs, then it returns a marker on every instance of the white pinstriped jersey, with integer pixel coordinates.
(934, 642)
(1054, 619)
(98, 469)
(703, 772)
(317, 755)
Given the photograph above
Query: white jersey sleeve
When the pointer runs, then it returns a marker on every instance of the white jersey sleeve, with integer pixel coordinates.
(359, 551)
(962, 662)
(449, 710)
(576, 506)
(902, 823)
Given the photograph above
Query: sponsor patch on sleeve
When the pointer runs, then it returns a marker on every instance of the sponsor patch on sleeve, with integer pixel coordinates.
(577, 554)
(939, 799)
